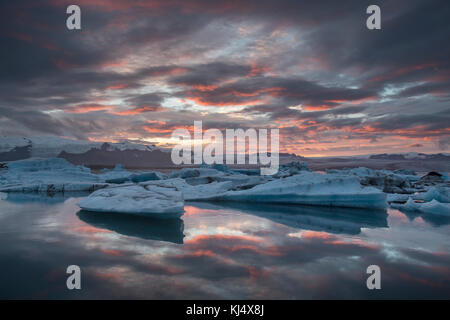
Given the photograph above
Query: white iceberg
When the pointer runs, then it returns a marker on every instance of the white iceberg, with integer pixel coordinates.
(190, 192)
(134, 199)
(397, 197)
(48, 175)
(433, 207)
(195, 173)
(312, 189)
(441, 194)
(118, 173)
(198, 176)
(400, 181)
(53, 187)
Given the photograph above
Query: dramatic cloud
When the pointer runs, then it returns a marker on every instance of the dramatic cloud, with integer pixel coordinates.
(139, 69)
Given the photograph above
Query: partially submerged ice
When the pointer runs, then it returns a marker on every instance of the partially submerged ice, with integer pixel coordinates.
(431, 207)
(310, 188)
(400, 181)
(192, 192)
(48, 175)
(119, 175)
(440, 194)
(203, 176)
(154, 201)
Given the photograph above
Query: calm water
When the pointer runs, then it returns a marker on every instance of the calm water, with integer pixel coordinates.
(218, 251)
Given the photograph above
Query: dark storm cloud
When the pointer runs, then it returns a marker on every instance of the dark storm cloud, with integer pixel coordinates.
(269, 56)
(211, 74)
(290, 90)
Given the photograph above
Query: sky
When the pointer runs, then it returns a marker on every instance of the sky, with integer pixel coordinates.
(137, 70)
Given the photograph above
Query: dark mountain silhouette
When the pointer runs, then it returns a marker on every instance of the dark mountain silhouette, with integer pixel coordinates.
(108, 156)
(17, 153)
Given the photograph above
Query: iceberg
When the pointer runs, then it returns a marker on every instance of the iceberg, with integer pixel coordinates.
(51, 188)
(134, 199)
(397, 197)
(386, 180)
(291, 168)
(409, 206)
(192, 192)
(48, 175)
(433, 207)
(197, 176)
(186, 173)
(441, 194)
(119, 175)
(310, 188)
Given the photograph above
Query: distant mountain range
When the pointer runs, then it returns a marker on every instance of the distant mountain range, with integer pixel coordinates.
(96, 154)
(108, 155)
(141, 155)
(410, 156)
(17, 148)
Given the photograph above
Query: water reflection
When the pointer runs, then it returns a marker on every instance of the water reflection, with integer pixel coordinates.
(219, 250)
(170, 230)
(435, 220)
(328, 219)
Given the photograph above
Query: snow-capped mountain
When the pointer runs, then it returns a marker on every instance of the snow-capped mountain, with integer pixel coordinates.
(128, 155)
(16, 148)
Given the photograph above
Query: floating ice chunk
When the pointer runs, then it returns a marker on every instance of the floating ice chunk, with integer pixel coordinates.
(441, 194)
(151, 201)
(116, 175)
(435, 207)
(312, 189)
(410, 205)
(48, 175)
(291, 168)
(397, 197)
(53, 187)
(216, 166)
(194, 173)
(192, 192)
(385, 180)
(249, 172)
(119, 175)
(147, 176)
(203, 176)
(50, 164)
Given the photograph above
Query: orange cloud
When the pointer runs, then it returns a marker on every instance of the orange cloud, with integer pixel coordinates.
(89, 108)
(135, 111)
(117, 86)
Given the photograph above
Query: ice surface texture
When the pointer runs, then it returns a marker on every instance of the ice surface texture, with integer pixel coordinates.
(310, 188)
(136, 199)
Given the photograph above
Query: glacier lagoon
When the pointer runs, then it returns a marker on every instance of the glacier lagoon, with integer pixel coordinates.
(219, 251)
